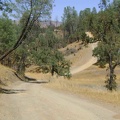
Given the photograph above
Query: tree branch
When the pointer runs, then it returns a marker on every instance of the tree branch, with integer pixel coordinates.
(21, 38)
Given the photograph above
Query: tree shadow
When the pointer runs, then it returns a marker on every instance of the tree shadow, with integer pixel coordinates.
(28, 79)
(39, 82)
(11, 91)
(31, 80)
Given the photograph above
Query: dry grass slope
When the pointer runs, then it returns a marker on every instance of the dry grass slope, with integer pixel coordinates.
(89, 82)
(7, 76)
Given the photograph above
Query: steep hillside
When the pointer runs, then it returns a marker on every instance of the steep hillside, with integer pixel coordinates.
(81, 58)
(79, 55)
(7, 76)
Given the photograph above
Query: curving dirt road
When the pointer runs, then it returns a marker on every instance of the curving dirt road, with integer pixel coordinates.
(86, 60)
(32, 101)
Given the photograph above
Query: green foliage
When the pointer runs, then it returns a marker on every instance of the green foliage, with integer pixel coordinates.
(33, 10)
(40, 46)
(111, 85)
(84, 20)
(107, 30)
(105, 27)
(52, 61)
(26, 41)
(69, 19)
(4, 6)
(48, 57)
(74, 25)
(7, 34)
(94, 11)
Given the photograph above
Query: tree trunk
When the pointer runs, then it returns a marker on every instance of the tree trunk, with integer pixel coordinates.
(22, 37)
(111, 78)
(21, 66)
(111, 84)
(6, 54)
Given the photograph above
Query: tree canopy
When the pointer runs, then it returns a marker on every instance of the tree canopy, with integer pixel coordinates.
(25, 42)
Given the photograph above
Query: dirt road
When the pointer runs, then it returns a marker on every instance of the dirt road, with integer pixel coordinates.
(32, 101)
(86, 60)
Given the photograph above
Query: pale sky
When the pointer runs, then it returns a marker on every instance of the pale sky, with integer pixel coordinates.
(78, 4)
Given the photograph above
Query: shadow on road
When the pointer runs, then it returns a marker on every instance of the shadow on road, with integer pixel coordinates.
(11, 91)
(38, 82)
(31, 80)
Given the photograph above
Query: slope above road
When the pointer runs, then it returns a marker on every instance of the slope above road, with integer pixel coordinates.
(82, 58)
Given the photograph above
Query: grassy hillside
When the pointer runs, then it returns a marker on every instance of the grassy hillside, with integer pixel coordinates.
(7, 76)
(89, 82)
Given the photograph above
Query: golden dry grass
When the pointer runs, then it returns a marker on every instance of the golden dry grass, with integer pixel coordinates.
(7, 76)
(89, 83)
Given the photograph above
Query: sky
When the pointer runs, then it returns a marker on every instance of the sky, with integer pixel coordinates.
(78, 4)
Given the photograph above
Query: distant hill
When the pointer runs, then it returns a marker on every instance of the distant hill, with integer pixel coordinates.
(45, 24)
